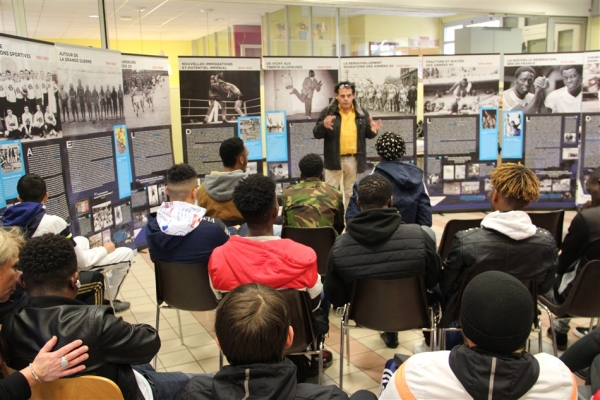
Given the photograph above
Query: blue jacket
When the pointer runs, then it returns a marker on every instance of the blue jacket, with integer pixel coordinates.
(410, 195)
(195, 247)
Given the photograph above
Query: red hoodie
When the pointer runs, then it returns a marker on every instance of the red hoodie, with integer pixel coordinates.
(281, 264)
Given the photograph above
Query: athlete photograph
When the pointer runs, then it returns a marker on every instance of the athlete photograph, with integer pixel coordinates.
(144, 98)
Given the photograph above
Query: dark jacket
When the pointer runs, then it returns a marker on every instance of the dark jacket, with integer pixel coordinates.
(574, 252)
(378, 245)
(410, 196)
(113, 343)
(257, 381)
(15, 387)
(195, 247)
(481, 249)
(331, 152)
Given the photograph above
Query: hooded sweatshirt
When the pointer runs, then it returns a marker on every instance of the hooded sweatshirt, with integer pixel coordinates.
(378, 245)
(272, 261)
(258, 381)
(471, 373)
(216, 193)
(409, 192)
(180, 232)
(507, 242)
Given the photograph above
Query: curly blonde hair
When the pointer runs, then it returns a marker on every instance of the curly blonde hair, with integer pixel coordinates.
(516, 182)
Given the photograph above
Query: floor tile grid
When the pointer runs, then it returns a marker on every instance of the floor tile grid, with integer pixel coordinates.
(368, 353)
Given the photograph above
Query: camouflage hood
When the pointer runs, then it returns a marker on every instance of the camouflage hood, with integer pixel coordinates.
(219, 185)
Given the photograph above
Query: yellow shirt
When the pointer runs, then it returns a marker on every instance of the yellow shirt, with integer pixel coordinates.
(348, 132)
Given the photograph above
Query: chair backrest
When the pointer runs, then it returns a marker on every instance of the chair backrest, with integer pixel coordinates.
(551, 221)
(184, 286)
(452, 227)
(300, 317)
(583, 300)
(319, 239)
(592, 251)
(82, 387)
(392, 305)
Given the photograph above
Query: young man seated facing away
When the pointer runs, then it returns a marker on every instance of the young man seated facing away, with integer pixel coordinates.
(264, 258)
(253, 329)
(496, 317)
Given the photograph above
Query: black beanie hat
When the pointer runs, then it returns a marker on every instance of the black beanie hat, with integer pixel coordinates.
(496, 312)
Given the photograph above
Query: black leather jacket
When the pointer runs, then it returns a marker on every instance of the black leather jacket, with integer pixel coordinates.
(113, 343)
(331, 151)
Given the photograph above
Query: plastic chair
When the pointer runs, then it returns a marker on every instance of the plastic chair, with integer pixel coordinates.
(582, 300)
(551, 221)
(452, 227)
(82, 387)
(392, 305)
(183, 287)
(299, 313)
(319, 239)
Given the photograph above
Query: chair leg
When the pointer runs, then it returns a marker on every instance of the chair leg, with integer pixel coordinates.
(342, 331)
(551, 317)
(348, 346)
(321, 363)
(157, 322)
(180, 330)
(107, 287)
(540, 333)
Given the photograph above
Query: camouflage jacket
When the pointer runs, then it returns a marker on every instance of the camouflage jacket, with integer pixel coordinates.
(313, 203)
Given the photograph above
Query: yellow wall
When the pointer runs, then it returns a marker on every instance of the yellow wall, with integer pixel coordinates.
(172, 49)
(593, 37)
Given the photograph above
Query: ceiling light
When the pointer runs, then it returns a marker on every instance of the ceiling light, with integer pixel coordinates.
(93, 16)
(126, 18)
(220, 19)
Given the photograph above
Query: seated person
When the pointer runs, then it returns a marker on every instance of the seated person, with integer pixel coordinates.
(50, 275)
(181, 232)
(262, 257)
(507, 240)
(585, 353)
(312, 203)
(496, 317)
(575, 253)
(31, 216)
(410, 194)
(379, 245)
(253, 329)
(215, 193)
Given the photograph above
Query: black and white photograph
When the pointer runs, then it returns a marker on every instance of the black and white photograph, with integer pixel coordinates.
(29, 106)
(118, 215)
(302, 87)
(215, 91)
(139, 197)
(433, 179)
(144, 98)
(451, 188)
(473, 170)
(545, 185)
(469, 187)
(89, 86)
(543, 83)
(278, 170)
(249, 128)
(561, 185)
(275, 121)
(162, 194)
(385, 86)
(570, 137)
(252, 168)
(139, 218)
(95, 240)
(153, 195)
(448, 172)
(513, 126)
(459, 172)
(570, 153)
(10, 158)
(591, 82)
(103, 216)
(461, 84)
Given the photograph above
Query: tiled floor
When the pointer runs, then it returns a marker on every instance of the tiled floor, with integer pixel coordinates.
(368, 353)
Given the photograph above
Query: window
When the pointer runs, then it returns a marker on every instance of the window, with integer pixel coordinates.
(451, 27)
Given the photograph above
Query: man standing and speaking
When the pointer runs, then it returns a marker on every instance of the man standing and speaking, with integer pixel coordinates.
(345, 126)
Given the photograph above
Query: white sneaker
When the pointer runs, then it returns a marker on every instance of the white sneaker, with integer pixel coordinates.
(420, 347)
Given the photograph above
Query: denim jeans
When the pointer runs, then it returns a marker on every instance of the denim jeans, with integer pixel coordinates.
(165, 385)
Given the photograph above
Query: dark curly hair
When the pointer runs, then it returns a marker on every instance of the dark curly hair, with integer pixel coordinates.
(181, 179)
(254, 197)
(311, 166)
(230, 150)
(31, 187)
(374, 191)
(47, 262)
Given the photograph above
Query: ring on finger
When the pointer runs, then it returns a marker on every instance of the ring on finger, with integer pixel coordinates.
(64, 362)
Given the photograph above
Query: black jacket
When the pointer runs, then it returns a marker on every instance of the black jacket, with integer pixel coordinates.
(113, 343)
(379, 245)
(482, 249)
(331, 152)
(257, 381)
